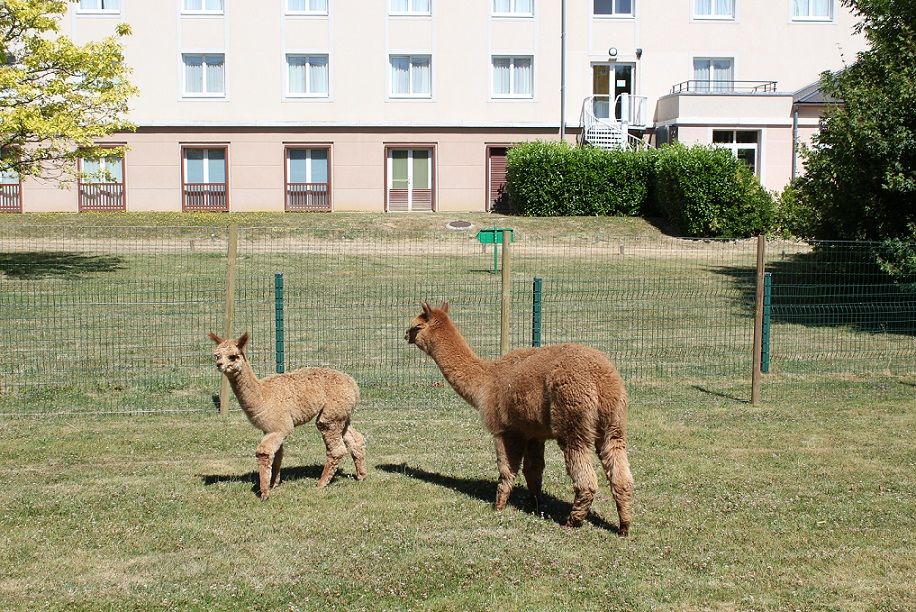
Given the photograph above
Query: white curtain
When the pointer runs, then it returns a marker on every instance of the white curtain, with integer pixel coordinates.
(214, 5)
(399, 6)
(523, 6)
(295, 5)
(91, 170)
(502, 6)
(297, 67)
(725, 8)
(703, 7)
(522, 74)
(115, 167)
(318, 6)
(318, 74)
(420, 75)
(822, 8)
(701, 73)
(420, 6)
(193, 74)
(215, 77)
(193, 5)
(800, 8)
(501, 75)
(723, 73)
(400, 75)
(111, 5)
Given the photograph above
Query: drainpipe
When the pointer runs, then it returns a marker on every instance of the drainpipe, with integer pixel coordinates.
(563, 70)
(794, 143)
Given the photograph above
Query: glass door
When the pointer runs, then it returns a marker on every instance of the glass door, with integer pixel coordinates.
(410, 179)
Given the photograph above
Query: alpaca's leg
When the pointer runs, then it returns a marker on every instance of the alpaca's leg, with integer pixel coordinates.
(533, 469)
(585, 482)
(275, 471)
(332, 432)
(510, 449)
(613, 453)
(356, 444)
(265, 454)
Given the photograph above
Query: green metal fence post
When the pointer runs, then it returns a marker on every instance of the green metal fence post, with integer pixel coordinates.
(765, 339)
(536, 312)
(278, 311)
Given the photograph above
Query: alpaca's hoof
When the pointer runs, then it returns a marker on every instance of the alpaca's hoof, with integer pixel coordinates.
(623, 531)
(571, 522)
(264, 495)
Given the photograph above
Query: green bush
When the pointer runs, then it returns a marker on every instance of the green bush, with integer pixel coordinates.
(705, 191)
(547, 179)
(796, 217)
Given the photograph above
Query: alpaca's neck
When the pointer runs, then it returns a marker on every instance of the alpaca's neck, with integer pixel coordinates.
(247, 389)
(468, 374)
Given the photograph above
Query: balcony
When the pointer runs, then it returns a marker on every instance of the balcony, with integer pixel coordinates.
(101, 197)
(205, 197)
(611, 130)
(724, 87)
(301, 197)
(10, 198)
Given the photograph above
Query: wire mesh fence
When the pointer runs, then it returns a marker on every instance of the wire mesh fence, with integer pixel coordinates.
(114, 320)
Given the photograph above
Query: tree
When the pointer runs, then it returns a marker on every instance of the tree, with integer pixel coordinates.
(860, 175)
(56, 97)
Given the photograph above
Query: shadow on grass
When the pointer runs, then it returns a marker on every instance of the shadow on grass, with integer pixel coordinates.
(287, 474)
(720, 394)
(485, 490)
(838, 285)
(31, 265)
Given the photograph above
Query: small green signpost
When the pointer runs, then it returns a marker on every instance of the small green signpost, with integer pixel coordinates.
(494, 236)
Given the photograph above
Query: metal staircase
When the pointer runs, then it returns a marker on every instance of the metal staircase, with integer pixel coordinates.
(600, 128)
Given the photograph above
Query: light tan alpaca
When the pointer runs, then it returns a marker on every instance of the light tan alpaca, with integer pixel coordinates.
(278, 403)
(567, 392)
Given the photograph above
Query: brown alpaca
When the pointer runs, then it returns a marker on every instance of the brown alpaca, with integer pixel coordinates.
(567, 392)
(280, 402)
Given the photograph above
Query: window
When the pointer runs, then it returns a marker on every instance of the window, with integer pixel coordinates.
(517, 8)
(203, 6)
(410, 7)
(100, 6)
(204, 74)
(812, 10)
(204, 178)
(615, 8)
(410, 179)
(744, 145)
(714, 9)
(410, 75)
(10, 192)
(307, 75)
(307, 7)
(714, 74)
(512, 77)
(101, 184)
(307, 179)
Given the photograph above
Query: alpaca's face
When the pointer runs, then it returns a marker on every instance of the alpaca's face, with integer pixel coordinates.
(229, 354)
(228, 357)
(423, 325)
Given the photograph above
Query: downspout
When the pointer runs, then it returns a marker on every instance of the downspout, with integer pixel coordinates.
(563, 70)
(794, 142)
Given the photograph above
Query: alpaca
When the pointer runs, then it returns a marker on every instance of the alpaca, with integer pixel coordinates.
(568, 392)
(278, 403)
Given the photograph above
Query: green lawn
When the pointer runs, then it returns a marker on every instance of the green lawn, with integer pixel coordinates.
(808, 502)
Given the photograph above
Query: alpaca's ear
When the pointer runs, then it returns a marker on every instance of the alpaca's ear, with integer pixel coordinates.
(444, 307)
(242, 341)
(426, 308)
(214, 337)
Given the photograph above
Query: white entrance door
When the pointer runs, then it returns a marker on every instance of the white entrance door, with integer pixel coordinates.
(410, 176)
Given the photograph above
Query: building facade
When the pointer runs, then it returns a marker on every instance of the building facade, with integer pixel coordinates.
(410, 105)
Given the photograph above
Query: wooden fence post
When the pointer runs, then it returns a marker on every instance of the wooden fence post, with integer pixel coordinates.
(758, 320)
(231, 255)
(505, 296)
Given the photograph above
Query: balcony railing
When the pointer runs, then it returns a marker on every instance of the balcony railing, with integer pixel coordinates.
(307, 197)
(101, 197)
(607, 126)
(724, 87)
(10, 198)
(205, 197)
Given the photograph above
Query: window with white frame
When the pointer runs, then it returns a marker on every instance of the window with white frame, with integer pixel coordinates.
(307, 7)
(812, 10)
(307, 75)
(714, 9)
(102, 170)
(712, 74)
(613, 8)
(203, 6)
(411, 76)
(205, 166)
(744, 145)
(100, 6)
(513, 8)
(409, 7)
(204, 74)
(512, 77)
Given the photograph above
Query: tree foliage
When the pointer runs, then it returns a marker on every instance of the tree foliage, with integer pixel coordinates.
(860, 175)
(56, 97)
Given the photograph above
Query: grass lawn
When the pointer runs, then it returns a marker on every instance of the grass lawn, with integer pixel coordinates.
(806, 503)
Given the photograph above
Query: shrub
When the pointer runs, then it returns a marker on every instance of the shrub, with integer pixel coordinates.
(553, 179)
(796, 217)
(705, 191)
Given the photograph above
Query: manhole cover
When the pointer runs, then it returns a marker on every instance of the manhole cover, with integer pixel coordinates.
(458, 225)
